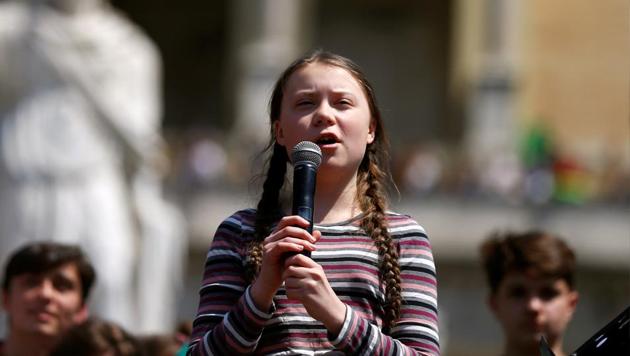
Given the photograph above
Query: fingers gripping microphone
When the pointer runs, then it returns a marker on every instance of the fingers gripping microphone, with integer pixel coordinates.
(306, 157)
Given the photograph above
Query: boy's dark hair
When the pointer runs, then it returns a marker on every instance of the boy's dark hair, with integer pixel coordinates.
(98, 337)
(538, 251)
(41, 257)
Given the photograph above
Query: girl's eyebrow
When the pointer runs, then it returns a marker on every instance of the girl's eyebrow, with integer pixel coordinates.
(343, 91)
(304, 92)
(314, 92)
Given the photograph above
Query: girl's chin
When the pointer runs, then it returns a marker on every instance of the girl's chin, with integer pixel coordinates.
(330, 165)
(338, 165)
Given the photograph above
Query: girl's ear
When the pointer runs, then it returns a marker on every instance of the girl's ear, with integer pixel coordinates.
(279, 134)
(371, 132)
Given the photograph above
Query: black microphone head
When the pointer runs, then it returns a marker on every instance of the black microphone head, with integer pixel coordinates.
(306, 151)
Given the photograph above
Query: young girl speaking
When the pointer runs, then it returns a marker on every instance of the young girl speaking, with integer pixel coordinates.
(369, 287)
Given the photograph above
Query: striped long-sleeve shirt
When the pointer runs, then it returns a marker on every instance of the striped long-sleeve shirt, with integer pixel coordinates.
(229, 323)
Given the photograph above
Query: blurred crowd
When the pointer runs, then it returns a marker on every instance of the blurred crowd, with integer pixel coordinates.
(538, 172)
(46, 287)
(81, 163)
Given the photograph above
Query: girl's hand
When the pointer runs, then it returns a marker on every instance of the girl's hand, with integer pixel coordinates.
(289, 237)
(306, 281)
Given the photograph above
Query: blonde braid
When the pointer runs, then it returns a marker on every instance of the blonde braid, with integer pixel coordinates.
(268, 210)
(372, 201)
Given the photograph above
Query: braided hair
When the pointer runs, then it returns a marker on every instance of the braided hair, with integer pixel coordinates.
(371, 181)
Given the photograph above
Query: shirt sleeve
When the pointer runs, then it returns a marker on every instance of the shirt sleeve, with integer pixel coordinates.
(227, 321)
(416, 331)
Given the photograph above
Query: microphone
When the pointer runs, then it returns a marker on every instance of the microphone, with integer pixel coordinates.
(306, 157)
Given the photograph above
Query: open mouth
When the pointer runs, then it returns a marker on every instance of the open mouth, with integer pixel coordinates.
(327, 139)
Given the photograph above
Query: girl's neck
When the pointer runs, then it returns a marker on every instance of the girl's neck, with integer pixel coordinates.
(335, 201)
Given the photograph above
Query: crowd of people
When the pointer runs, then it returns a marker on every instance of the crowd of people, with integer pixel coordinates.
(363, 282)
(45, 290)
(46, 285)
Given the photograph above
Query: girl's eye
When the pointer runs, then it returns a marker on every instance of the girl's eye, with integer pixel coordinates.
(345, 102)
(302, 103)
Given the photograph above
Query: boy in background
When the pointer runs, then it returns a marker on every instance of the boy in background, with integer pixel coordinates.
(532, 290)
(44, 291)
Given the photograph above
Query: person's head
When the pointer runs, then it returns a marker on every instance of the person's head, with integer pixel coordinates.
(326, 98)
(45, 287)
(167, 344)
(160, 345)
(532, 287)
(97, 337)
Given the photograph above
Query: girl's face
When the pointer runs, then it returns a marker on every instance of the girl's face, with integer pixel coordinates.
(325, 104)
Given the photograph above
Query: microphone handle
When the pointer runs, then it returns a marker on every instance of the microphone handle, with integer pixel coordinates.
(304, 178)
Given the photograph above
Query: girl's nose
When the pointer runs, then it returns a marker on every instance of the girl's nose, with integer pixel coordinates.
(324, 115)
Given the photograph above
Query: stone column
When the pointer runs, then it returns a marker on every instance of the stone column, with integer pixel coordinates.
(488, 75)
(266, 38)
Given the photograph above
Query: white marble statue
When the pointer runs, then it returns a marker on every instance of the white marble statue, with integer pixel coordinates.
(80, 151)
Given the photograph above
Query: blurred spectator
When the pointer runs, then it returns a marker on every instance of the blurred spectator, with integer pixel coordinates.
(160, 344)
(204, 162)
(80, 159)
(423, 170)
(167, 344)
(503, 176)
(573, 182)
(613, 180)
(532, 292)
(44, 291)
(207, 160)
(552, 175)
(99, 338)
